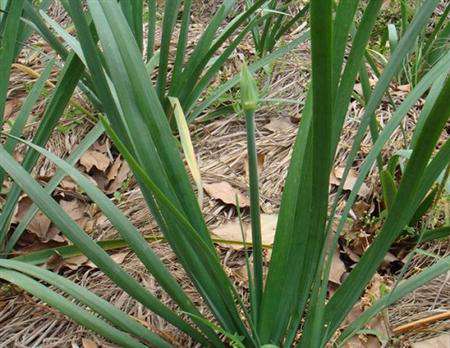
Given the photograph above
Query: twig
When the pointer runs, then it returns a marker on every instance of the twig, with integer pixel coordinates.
(421, 323)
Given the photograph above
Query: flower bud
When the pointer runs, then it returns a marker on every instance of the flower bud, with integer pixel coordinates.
(249, 90)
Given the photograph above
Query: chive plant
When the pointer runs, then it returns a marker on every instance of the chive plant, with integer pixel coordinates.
(292, 299)
(272, 28)
(194, 71)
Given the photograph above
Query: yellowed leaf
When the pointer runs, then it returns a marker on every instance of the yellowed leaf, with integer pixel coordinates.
(186, 144)
(92, 158)
(226, 193)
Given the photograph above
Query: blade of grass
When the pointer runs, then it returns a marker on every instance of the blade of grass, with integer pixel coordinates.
(133, 11)
(84, 145)
(120, 319)
(25, 31)
(182, 42)
(67, 82)
(404, 288)
(437, 233)
(259, 64)
(193, 238)
(33, 16)
(7, 49)
(170, 227)
(152, 8)
(402, 211)
(25, 111)
(323, 105)
(135, 240)
(200, 57)
(76, 313)
(170, 16)
(95, 253)
(209, 75)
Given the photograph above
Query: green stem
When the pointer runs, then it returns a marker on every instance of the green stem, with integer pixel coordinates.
(254, 210)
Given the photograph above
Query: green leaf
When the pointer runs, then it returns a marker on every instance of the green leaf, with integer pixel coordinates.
(389, 188)
(94, 252)
(120, 319)
(87, 141)
(67, 82)
(7, 49)
(76, 313)
(25, 111)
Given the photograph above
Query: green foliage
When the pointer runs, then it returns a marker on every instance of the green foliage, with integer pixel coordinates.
(136, 119)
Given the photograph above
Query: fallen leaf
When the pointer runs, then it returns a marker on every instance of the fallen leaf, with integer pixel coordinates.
(442, 341)
(117, 175)
(68, 184)
(117, 258)
(404, 88)
(231, 231)
(337, 268)
(39, 225)
(226, 193)
(337, 174)
(77, 210)
(88, 343)
(76, 262)
(114, 170)
(279, 124)
(92, 158)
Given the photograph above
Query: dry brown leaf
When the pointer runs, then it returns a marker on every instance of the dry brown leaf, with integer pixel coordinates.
(92, 158)
(76, 262)
(231, 231)
(337, 174)
(117, 175)
(114, 170)
(118, 258)
(404, 88)
(68, 184)
(337, 268)
(77, 210)
(88, 343)
(279, 125)
(442, 341)
(226, 193)
(39, 225)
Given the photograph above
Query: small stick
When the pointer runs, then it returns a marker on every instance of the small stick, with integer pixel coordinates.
(421, 322)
